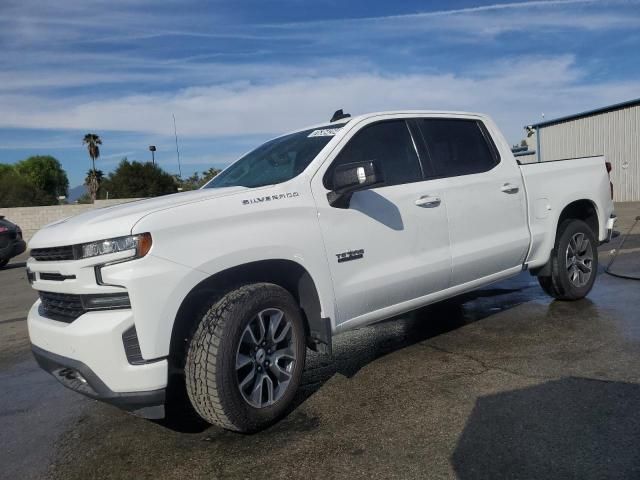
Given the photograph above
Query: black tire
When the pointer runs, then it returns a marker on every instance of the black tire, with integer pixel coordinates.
(559, 284)
(3, 262)
(211, 379)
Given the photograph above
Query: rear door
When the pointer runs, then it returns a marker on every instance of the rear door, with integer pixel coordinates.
(391, 245)
(484, 196)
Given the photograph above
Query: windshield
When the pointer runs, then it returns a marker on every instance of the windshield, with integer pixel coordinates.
(276, 161)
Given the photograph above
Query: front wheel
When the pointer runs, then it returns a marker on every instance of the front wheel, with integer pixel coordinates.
(574, 262)
(245, 360)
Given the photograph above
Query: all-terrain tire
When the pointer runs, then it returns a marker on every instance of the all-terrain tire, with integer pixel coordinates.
(210, 370)
(559, 284)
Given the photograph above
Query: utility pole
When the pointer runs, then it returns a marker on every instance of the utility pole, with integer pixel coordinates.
(175, 132)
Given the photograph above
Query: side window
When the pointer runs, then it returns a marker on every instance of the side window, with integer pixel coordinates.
(387, 143)
(458, 147)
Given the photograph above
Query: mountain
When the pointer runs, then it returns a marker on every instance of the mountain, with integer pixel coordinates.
(75, 193)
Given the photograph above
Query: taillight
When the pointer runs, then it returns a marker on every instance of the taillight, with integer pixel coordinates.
(609, 168)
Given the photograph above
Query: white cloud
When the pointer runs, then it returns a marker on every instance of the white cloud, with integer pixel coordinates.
(514, 92)
(52, 80)
(485, 20)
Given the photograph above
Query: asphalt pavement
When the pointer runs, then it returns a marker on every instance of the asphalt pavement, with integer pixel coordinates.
(499, 383)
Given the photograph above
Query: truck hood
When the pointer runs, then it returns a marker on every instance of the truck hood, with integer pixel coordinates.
(117, 220)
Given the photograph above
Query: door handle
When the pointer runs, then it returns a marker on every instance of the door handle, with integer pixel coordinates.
(509, 188)
(428, 201)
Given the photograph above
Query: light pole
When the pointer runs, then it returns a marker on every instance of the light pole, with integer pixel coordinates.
(152, 149)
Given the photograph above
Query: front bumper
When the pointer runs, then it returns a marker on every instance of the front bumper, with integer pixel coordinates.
(19, 246)
(79, 377)
(93, 346)
(102, 340)
(13, 249)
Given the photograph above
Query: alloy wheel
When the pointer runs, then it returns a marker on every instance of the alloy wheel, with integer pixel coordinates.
(579, 260)
(265, 358)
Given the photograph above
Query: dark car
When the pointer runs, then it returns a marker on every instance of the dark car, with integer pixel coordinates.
(11, 242)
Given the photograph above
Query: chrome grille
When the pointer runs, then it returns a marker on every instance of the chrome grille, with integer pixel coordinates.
(53, 253)
(63, 307)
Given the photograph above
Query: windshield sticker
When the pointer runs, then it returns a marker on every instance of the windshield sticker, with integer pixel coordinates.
(324, 132)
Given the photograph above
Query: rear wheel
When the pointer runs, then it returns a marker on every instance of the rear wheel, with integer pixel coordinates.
(574, 262)
(246, 358)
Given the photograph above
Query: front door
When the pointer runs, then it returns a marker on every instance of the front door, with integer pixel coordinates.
(391, 244)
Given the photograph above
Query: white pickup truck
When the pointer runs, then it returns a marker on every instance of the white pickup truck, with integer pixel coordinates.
(220, 291)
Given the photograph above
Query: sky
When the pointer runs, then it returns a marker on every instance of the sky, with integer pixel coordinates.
(235, 73)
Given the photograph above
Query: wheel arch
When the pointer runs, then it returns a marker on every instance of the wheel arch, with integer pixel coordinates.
(582, 209)
(283, 272)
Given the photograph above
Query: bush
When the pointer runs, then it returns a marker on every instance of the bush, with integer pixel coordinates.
(32, 182)
(18, 191)
(46, 173)
(135, 180)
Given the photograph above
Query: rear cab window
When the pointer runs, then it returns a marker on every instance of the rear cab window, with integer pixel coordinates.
(457, 147)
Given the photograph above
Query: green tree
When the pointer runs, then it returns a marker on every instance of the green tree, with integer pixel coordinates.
(93, 142)
(193, 182)
(46, 173)
(6, 169)
(196, 181)
(92, 181)
(135, 180)
(19, 191)
(86, 198)
(209, 174)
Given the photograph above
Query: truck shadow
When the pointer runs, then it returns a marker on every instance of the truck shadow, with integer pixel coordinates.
(11, 266)
(355, 349)
(378, 208)
(567, 428)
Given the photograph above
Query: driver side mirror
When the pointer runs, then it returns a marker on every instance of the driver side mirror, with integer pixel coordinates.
(352, 177)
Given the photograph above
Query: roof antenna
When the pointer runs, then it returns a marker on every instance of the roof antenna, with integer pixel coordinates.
(339, 115)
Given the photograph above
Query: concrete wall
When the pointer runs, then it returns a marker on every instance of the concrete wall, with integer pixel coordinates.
(32, 219)
(615, 134)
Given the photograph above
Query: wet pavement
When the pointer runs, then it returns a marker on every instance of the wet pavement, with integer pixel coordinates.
(498, 383)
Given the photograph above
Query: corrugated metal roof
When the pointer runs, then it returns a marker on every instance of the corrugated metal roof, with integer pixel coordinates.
(588, 113)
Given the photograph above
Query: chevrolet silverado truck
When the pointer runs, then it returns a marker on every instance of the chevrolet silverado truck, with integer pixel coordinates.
(222, 290)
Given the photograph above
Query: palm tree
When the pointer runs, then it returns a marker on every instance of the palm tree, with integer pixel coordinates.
(93, 180)
(91, 140)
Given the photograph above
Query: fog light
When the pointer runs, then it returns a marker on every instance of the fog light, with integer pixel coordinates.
(106, 301)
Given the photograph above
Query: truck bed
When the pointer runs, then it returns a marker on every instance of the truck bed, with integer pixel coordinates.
(550, 186)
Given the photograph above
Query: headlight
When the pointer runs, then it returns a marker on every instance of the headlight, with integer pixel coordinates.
(137, 245)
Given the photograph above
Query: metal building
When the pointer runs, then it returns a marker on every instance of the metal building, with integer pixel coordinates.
(612, 131)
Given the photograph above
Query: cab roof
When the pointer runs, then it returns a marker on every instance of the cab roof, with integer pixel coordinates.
(366, 116)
